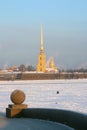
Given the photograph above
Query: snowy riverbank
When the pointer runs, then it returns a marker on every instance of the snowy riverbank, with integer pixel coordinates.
(43, 93)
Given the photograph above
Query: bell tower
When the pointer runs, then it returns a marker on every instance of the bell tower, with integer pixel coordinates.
(41, 66)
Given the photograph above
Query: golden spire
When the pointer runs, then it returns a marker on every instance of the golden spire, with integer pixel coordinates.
(41, 40)
(41, 66)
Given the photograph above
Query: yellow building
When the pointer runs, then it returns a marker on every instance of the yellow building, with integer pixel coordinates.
(52, 66)
(41, 66)
(13, 68)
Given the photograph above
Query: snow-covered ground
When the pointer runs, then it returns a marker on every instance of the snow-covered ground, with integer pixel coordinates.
(43, 93)
(72, 96)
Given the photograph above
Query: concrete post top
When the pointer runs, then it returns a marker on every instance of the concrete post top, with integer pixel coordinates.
(17, 97)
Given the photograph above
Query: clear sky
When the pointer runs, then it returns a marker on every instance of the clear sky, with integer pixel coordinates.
(65, 31)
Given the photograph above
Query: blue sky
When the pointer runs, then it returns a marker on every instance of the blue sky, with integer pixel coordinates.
(65, 31)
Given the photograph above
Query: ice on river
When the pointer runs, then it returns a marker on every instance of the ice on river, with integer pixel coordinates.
(72, 94)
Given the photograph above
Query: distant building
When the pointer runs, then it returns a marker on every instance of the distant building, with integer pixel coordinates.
(13, 68)
(52, 67)
(41, 66)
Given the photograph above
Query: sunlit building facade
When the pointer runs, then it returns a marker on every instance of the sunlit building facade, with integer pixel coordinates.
(41, 66)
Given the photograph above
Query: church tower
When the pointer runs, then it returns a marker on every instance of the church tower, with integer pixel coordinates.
(52, 66)
(41, 66)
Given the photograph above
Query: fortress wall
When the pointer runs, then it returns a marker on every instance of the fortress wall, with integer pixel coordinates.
(72, 75)
(38, 76)
(42, 76)
(47, 76)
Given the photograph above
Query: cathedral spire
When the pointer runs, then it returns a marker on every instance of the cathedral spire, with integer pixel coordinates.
(41, 66)
(41, 40)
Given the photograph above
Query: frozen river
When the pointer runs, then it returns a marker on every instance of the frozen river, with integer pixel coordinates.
(43, 94)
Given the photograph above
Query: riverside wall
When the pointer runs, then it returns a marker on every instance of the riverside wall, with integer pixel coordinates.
(39, 76)
(50, 76)
(42, 76)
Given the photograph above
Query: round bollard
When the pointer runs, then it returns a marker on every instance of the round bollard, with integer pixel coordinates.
(17, 97)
